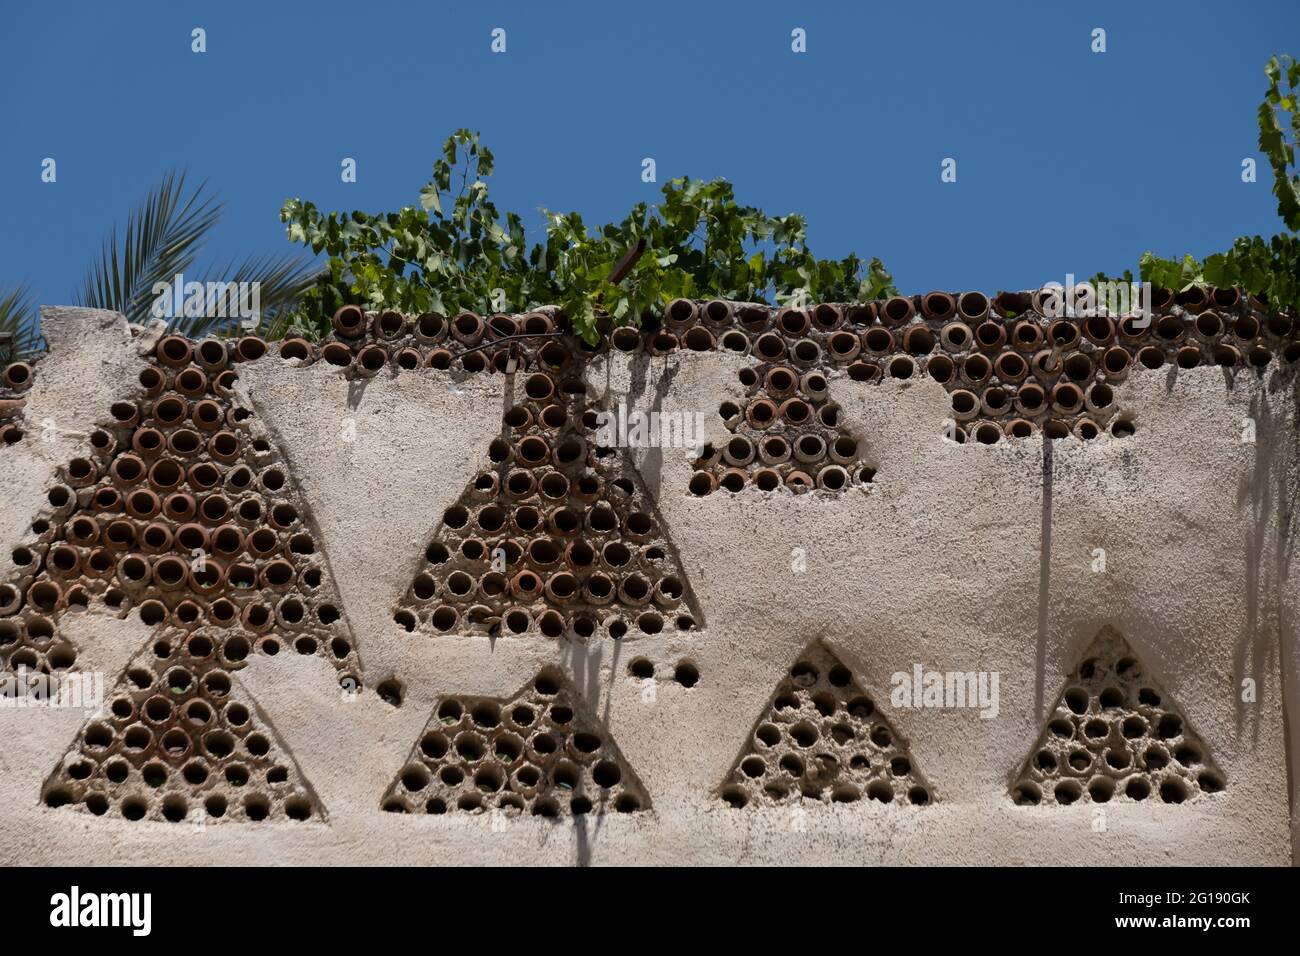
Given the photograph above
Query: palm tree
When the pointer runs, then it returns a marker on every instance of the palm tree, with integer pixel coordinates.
(164, 237)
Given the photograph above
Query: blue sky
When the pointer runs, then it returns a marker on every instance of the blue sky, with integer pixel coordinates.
(1067, 160)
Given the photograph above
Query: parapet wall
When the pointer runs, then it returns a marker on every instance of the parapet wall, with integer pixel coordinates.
(924, 581)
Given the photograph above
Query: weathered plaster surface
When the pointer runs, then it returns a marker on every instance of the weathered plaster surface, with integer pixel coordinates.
(957, 558)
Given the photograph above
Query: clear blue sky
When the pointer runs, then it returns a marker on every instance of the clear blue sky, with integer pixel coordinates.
(1066, 160)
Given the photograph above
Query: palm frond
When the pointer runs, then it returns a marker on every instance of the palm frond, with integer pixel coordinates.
(279, 282)
(19, 319)
(161, 239)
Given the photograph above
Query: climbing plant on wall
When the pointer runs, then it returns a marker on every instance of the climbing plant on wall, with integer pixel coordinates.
(454, 251)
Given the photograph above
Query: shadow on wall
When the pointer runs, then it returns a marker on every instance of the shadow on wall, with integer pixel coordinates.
(1270, 494)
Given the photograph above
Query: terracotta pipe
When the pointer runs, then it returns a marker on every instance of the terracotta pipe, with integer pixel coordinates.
(143, 503)
(976, 369)
(1226, 355)
(938, 306)
(827, 317)
(83, 531)
(1018, 428)
(389, 324)
(349, 321)
(799, 481)
(1151, 357)
(844, 346)
(371, 359)
(1077, 367)
(599, 589)
(133, 572)
(1130, 331)
(955, 336)
(1100, 400)
(760, 413)
(991, 336)
(166, 475)
(148, 443)
(169, 572)
(795, 411)
(18, 376)
(662, 343)
(1169, 328)
(1010, 366)
(1280, 325)
(627, 339)
(699, 339)
(901, 366)
(81, 472)
(780, 382)
(125, 414)
(940, 368)
(1246, 327)
(127, 470)
(296, 348)
(770, 347)
(1193, 299)
(64, 560)
(878, 340)
(718, 314)
(814, 385)
(864, 371)
(774, 450)
(897, 311)
(805, 353)
(793, 323)
(1115, 363)
(702, 484)
(438, 359)
(1067, 398)
(973, 306)
(257, 617)
(1063, 334)
(1259, 357)
(987, 433)
(1012, 304)
(1208, 325)
(223, 387)
(224, 447)
(468, 328)
(738, 451)
(1046, 364)
(536, 323)
(336, 353)
(207, 415)
(809, 448)
(430, 328)
(1229, 298)
(1099, 329)
(174, 351)
(1085, 429)
(1031, 399)
(250, 348)
(754, 318)
(203, 475)
(190, 382)
(211, 355)
(106, 500)
(1189, 356)
(680, 314)
(965, 404)
(277, 574)
(918, 339)
(844, 450)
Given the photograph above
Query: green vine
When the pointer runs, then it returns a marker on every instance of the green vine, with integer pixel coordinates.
(455, 252)
(1269, 268)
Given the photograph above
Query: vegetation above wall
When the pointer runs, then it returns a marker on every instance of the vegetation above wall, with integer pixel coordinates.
(455, 252)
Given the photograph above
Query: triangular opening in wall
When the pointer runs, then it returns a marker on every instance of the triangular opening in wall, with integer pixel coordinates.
(822, 737)
(558, 536)
(541, 752)
(1115, 735)
(183, 508)
(785, 432)
(178, 741)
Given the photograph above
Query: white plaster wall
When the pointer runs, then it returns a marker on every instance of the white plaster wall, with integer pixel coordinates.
(941, 562)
